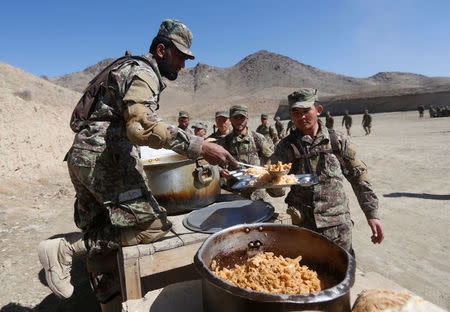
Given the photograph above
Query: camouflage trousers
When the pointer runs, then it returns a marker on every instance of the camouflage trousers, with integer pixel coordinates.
(367, 128)
(110, 215)
(340, 234)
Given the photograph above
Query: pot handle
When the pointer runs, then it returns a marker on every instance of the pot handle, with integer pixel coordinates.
(201, 171)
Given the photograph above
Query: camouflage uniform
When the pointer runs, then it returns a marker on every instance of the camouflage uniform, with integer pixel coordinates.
(324, 208)
(268, 132)
(347, 120)
(367, 123)
(250, 148)
(290, 127)
(280, 128)
(114, 205)
(183, 114)
(329, 122)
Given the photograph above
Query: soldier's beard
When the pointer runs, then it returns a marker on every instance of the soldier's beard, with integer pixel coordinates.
(166, 68)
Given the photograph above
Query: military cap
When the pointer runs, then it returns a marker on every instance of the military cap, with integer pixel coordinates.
(200, 125)
(264, 116)
(183, 114)
(277, 118)
(179, 34)
(223, 113)
(238, 110)
(303, 98)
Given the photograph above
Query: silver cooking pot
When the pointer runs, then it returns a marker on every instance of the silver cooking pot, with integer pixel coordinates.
(180, 184)
(335, 268)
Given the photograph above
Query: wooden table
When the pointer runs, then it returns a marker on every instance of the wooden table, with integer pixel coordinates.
(169, 260)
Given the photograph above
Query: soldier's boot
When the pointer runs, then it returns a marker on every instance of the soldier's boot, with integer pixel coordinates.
(56, 257)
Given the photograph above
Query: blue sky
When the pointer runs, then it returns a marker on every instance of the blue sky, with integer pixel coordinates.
(350, 37)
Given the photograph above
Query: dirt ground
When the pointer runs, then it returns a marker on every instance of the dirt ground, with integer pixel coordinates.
(409, 164)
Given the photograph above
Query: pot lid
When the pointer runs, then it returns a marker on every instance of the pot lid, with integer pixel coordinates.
(152, 157)
(221, 215)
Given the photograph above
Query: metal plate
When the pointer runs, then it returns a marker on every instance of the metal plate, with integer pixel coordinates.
(305, 180)
(219, 216)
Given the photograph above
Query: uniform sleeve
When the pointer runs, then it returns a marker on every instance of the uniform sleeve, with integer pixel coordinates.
(265, 148)
(144, 127)
(356, 174)
(273, 134)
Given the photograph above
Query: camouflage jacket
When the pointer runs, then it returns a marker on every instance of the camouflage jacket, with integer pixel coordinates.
(251, 148)
(217, 135)
(268, 132)
(347, 120)
(125, 114)
(330, 205)
(279, 126)
(367, 120)
(329, 122)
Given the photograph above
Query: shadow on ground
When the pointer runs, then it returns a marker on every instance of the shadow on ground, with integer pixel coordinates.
(417, 195)
(82, 299)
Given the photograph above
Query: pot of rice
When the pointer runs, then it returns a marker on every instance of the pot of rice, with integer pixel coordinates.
(274, 267)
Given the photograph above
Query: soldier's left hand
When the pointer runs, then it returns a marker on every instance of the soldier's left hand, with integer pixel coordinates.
(377, 230)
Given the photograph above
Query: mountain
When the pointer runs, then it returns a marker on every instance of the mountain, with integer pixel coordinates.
(262, 80)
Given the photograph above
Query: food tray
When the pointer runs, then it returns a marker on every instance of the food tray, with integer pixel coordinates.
(243, 181)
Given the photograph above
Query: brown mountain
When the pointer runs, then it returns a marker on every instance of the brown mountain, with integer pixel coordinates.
(262, 81)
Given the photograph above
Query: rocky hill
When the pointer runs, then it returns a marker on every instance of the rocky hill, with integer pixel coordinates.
(262, 80)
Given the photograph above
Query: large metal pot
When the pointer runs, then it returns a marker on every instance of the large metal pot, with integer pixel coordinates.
(335, 267)
(180, 184)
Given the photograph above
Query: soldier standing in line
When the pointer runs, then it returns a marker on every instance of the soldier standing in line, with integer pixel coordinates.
(367, 122)
(329, 121)
(290, 127)
(421, 109)
(114, 206)
(347, 120)
(223, 125)
(267, 130)
(246, 146)
(183, 122)
(314, 149)
(279, 126)
(200, 129)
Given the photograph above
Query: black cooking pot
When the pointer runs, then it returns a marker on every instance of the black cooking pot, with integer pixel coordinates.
(335, 267)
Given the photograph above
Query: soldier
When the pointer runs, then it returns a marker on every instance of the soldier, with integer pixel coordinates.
(200, 129)
(314, 149)
(223, 125)
(421, 109)
(267, 130)
(114, 206)
(329, 121)
(367, 122)
(245, 146)
(183, 122)
(279, 126)
(347, 120)
(290, 127)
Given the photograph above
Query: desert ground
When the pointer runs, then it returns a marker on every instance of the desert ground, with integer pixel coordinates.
(409, 165)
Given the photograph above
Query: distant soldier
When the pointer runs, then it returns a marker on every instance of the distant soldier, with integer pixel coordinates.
(200, 129)
(367, 122)
(183, 122)
(222, 124)
(279, 126)
(421, 109)
(432, 111)
(329, 121)
(127, 53)
(246, 146)
(267, 130)
(347, 121)
(290, 127)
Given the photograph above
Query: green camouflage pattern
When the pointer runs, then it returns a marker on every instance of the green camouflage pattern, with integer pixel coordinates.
(268, 132)
(347, 121)
(183, 114)
(200, 125)
(264, 116)
(302, 98)
(217, 135)
(179, 34)
(238, 110)
(251, 148)
(223, 113)
(279, 127)
(331, 206)
(367, 120)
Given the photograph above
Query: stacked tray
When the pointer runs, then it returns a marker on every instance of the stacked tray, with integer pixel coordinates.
(243, 181)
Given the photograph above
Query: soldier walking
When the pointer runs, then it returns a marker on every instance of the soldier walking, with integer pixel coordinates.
(421, 109)
(347, 121)
(329, 121)
(313, 149)
(367, 122)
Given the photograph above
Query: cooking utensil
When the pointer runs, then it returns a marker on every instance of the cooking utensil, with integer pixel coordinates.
(251, 166)
(334, 265)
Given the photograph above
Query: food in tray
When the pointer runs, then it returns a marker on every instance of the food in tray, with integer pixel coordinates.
(268, 273)
(278, 167)
(255, 171)
(268, 179)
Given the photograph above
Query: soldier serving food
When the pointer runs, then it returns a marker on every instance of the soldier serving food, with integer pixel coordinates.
(314, 149)
(114, 206)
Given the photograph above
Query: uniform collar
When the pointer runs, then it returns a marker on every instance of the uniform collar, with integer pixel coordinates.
(322, 137)
(155, 68)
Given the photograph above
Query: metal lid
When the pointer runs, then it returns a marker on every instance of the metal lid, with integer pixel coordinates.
(221, 215)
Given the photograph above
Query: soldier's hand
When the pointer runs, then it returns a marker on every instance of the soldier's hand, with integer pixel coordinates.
(377, 230)
(217, 155)
(225, 173)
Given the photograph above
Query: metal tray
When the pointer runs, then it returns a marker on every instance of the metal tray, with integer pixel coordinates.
(243, 182)
(218, 216)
